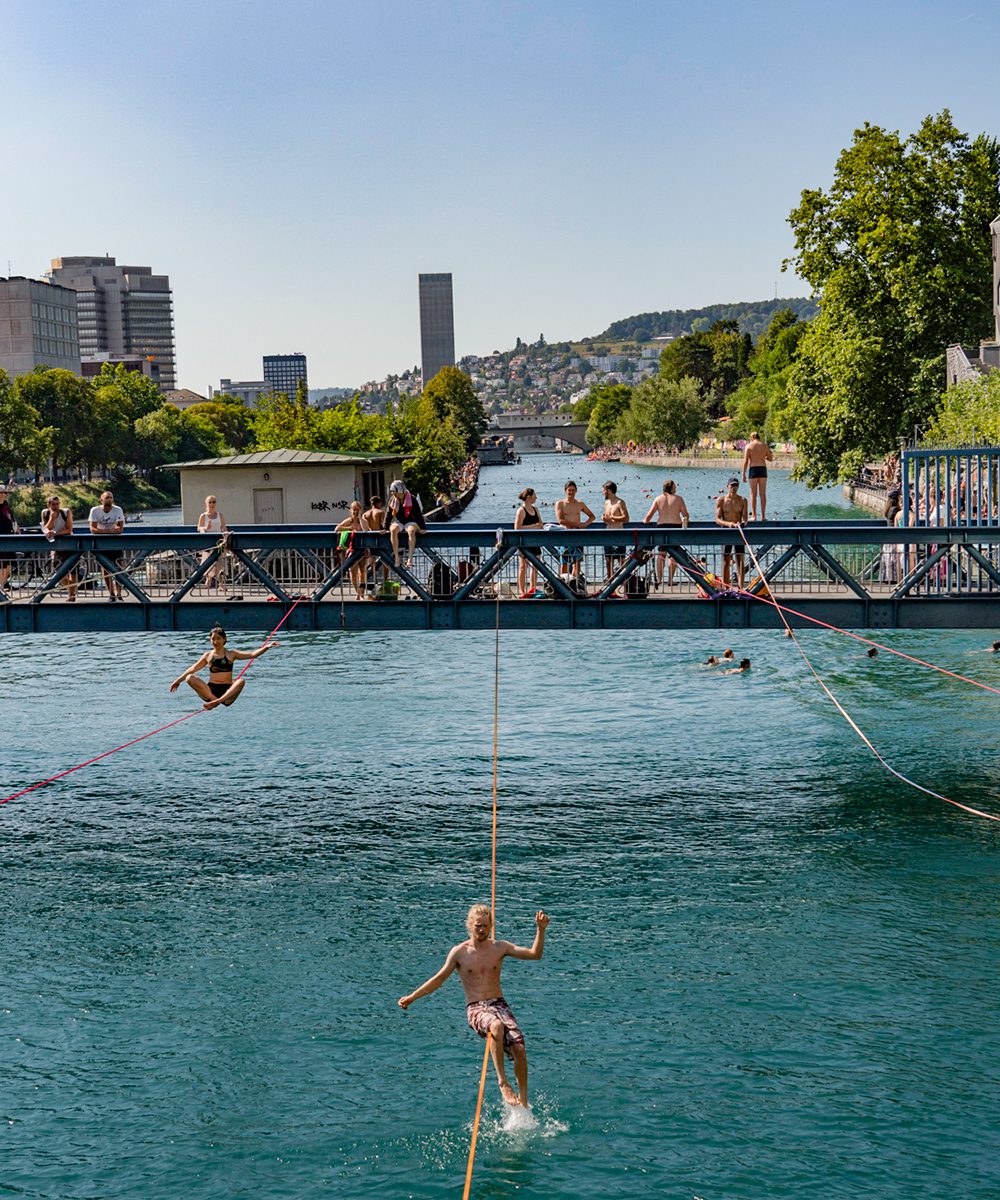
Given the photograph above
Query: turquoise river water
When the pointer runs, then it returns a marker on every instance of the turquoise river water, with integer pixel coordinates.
(771, 968)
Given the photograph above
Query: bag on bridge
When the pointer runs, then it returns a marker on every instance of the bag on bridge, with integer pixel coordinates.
(636, 587)
(442, 581)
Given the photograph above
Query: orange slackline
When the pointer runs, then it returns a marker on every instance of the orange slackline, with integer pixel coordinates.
(142, 737)
(493, 888)
(843, 711)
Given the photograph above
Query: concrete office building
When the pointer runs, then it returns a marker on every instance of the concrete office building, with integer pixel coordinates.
(122, 310)
(284, 373)
(437, 325)
(38, 326)
(247, 390)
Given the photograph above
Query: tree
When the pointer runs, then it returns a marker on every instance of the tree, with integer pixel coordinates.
(65, 404)
(450, 395)
(24, 442)
(969, 414)
(610, 401)
(231, 417)
(157, 437)
(761, 401)
(899, 249)
(283, 424)
(668, 411)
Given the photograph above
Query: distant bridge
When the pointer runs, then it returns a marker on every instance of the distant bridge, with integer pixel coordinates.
(574, 433)
(834, 571)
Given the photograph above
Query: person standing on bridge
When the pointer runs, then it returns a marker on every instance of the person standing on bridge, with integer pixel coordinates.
(527, 515)
(478, 962)
(8, 524)
(756, 456)
(669, 509)
(615, 517)
(108, 518)
(569, 514)
(731, 513)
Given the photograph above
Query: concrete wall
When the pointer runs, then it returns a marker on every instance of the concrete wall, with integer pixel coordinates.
(310, 494)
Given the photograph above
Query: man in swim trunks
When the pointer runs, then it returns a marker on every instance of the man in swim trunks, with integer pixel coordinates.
(615, 516)
(731, 512)
(478, 962)
(669, 509)
(755, 459)
(569, 514)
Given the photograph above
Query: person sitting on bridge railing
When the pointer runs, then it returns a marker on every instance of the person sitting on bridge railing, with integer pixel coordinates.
(403, 512)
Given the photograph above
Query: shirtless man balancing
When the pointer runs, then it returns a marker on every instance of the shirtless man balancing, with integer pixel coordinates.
(478, 962)
(755, 459)
(570, 513)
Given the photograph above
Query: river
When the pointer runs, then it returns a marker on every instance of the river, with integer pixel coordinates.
(771, 968)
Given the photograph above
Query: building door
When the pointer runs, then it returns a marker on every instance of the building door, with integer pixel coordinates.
(269, 506)
(372, 484)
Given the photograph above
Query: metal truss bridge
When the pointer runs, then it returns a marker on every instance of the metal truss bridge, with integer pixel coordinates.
(855, 574)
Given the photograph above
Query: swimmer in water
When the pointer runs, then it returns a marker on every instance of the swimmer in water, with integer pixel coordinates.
(873, 652)
(711, 661)
(744, 666)
(995, 648)
(728, 656)
(478, 962)
(220, 688)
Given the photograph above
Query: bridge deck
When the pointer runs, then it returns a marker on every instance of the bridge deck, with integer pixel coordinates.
(852, 574)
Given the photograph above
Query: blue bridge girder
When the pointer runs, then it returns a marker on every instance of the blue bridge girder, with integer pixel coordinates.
(854, 574)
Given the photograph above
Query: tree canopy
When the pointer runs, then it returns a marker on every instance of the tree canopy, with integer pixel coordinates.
(899, 251)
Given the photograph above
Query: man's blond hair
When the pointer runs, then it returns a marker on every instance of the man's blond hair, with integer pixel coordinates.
(478, 910)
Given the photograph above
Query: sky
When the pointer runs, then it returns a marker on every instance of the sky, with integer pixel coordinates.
(294, 167)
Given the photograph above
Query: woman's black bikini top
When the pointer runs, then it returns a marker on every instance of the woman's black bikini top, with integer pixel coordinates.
(529, 519)
(216, 666)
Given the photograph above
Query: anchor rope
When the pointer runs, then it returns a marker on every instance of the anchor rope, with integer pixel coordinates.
(847, 716)
(493, 884)
(142, 737)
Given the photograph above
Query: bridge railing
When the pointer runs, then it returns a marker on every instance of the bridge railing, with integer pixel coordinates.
(459, 563)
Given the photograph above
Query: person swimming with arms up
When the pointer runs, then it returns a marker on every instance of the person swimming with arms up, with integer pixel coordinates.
(220, 688)
(478, 962)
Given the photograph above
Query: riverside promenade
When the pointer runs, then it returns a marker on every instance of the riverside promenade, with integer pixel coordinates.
(710, 461)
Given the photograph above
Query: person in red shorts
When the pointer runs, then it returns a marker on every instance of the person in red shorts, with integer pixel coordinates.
(478, 962)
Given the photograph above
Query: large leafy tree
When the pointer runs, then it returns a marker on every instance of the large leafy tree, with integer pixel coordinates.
(24, 442)
(668, 411)
(761, 400)
(969, 414)
(65, 404)
(450, 395)
(610, 403)
(899, 251)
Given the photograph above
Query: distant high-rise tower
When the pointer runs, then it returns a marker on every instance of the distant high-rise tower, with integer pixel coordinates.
(122, 310)
(437, 325)
(284, 372)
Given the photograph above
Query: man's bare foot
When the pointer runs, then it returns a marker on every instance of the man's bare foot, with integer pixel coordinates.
(508, 1093)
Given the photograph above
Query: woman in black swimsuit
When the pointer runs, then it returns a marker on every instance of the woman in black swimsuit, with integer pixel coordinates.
(220, 688)
(529, 515)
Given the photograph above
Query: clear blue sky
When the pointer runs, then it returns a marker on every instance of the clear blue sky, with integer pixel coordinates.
(293, 167)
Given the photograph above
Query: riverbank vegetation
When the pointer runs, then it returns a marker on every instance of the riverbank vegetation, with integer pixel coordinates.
(117, 428)
(898, 254)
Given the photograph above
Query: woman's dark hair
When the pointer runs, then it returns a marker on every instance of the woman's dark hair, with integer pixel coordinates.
(218, 629)
(526, 493)
(744, 663)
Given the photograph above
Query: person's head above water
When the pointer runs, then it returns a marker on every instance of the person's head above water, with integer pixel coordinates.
(711, 661)
(728, 654)
(479, 922)
(744, 664)
(995, 647)
(873, 652)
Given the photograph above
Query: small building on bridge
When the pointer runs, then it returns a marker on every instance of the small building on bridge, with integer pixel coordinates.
(285, 487)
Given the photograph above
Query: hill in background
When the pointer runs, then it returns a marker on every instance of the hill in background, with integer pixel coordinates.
(753, 317)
